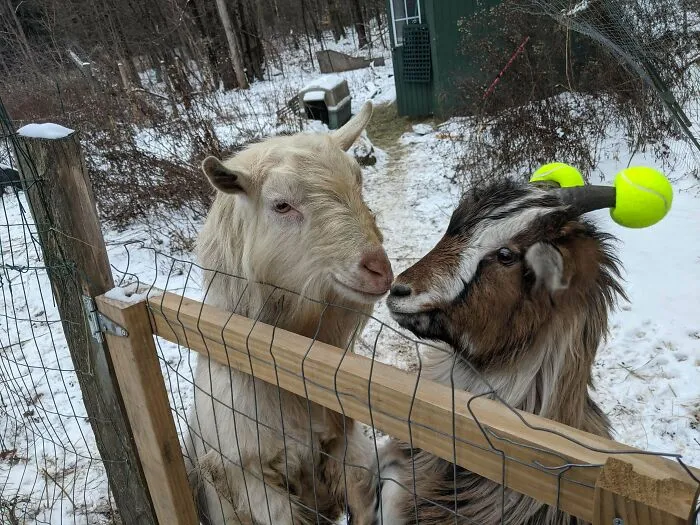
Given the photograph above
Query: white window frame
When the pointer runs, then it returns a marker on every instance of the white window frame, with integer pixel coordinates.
(406, 19)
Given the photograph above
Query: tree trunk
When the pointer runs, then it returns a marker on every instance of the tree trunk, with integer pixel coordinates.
(306, 30)
(336, 20)
(251, 46)
(222, 58)
(356, 11)
(206, 37)
(124, 74)
(21, 35)
(315, 13)
(233, 47)
(378, 18)
(5, 68)
(127, 57)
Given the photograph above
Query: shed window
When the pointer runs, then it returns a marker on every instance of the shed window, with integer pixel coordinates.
(404, 12)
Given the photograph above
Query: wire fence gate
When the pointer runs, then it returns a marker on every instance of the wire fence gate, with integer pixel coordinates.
(92, 398)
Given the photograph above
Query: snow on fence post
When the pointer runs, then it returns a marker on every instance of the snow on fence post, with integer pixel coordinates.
(61, 201)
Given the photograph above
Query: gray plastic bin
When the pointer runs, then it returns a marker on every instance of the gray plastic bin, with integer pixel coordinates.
(327, 99)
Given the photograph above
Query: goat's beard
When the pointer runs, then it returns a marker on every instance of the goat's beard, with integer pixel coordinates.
(318, 299)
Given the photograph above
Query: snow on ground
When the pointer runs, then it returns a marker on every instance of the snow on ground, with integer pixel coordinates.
(646, 375)
(49, 467)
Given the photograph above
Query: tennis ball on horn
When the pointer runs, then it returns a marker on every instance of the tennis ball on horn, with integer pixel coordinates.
(563, 174)
(643, 197)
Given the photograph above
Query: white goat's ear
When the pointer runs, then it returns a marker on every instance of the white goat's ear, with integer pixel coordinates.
(225, 179)
(347, 134)
(547, 264)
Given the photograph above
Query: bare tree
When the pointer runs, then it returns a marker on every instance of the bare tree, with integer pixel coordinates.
(232, 44)
(356, 9)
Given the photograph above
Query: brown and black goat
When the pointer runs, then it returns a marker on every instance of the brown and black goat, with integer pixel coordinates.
(519, 288)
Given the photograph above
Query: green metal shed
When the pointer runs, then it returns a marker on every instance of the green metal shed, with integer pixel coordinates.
(426, 42)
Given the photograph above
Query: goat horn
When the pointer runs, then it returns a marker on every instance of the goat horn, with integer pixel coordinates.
(641, 196)
(588, 198)
(347, 134)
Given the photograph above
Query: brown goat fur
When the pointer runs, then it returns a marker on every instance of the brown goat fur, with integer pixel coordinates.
(519, 289)
(288, 215)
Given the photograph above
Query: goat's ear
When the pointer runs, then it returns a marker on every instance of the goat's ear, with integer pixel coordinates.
(547, 263)
(347, 134)
(225, 179)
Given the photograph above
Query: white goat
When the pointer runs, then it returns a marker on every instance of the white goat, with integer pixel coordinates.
(288, 213)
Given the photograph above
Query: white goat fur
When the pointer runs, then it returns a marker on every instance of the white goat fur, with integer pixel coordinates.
(314, 172)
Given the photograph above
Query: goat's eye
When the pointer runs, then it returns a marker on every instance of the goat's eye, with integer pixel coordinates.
(282, 207)
(506, 256)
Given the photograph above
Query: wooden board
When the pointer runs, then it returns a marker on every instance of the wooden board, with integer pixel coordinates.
(334, 379)
(622, 494)
(146, 400)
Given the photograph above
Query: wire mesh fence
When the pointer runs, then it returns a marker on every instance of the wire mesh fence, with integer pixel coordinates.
(256, 452)
(208, 406)
(50, 469)
(657, 41)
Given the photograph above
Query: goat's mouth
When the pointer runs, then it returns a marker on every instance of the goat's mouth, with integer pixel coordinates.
(420, 323)
(419, 317)
(357, 294)
(429, 324)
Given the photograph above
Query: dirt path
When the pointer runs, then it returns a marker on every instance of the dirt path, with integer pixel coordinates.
(409, 190)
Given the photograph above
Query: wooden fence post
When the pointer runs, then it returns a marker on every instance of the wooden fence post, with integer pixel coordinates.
(142, 385)
(61, 201)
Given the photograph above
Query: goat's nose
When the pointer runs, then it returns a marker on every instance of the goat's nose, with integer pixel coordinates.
(400, 290)
(376, 262)
(377, 265)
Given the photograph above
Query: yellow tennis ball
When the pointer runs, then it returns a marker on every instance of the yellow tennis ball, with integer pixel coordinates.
(643, 197)
(563, 174)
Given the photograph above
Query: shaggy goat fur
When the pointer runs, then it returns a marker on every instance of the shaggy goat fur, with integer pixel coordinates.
(519, 289)
(243, 430)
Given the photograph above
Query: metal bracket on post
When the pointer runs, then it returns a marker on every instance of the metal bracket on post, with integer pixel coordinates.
(100, 323)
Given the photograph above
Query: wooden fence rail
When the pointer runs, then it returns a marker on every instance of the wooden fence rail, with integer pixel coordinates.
(592, 478)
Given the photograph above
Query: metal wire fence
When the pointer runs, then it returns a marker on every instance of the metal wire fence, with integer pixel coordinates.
(50, 469)
(222, 426)
(257, 453)
(657, 41)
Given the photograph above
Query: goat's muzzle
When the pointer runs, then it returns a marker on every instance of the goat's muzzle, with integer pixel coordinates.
(369, 278)
(410, 312)
(401, 299)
